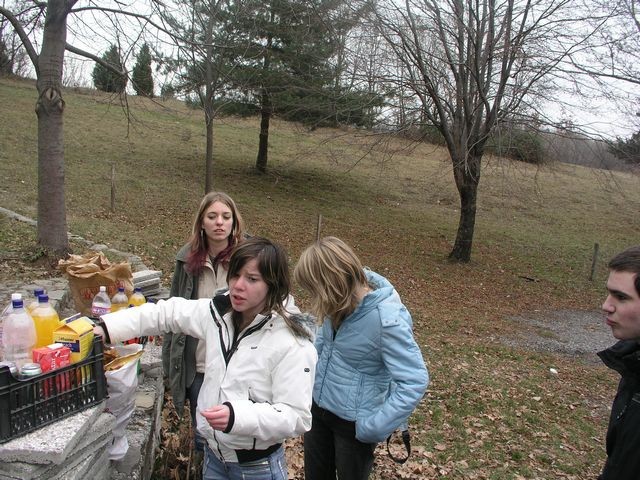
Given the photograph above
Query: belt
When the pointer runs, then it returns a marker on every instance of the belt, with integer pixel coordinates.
(253, 455)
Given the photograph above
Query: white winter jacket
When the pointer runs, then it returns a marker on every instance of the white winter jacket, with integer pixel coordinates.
(267, 379)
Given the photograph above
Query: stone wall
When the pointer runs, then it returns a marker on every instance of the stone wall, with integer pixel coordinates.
(76, 447)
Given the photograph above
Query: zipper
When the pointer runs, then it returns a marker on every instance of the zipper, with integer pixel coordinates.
(333, 336)
(237, 339)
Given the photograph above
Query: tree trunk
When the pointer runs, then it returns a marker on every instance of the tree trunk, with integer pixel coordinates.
(263, 146)
(467, 177)
(208, 176)
(52, 219)
(209, 108)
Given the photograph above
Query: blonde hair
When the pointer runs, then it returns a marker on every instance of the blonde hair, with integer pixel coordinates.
(333, 275)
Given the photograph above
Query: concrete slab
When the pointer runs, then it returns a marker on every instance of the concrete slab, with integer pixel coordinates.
(90, 468)
(100, 433)
(81, 461)
(52, 443)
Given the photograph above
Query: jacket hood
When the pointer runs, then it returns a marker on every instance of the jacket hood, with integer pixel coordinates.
(382, 291)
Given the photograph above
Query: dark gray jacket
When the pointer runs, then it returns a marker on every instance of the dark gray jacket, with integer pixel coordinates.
(623, 434)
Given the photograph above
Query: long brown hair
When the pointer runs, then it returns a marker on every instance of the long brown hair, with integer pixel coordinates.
(197, 256)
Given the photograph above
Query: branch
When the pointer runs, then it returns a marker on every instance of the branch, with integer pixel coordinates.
(95, 58)
(581, 70)
(26, 43)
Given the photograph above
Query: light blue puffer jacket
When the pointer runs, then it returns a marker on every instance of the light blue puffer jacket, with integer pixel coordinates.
(372, 371)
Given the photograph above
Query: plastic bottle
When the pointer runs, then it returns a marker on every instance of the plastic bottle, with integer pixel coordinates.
(137, 298)
(19, 335)
(46, 320)
(119, 300)
(31, 306)
(101, 304)
(7, 310)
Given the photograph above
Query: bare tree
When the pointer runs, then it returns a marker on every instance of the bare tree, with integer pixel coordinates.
(47, 22)
(198, 31)
(473, 64)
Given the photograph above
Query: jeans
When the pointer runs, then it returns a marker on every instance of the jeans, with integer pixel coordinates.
(193, 391)
(273, 467)
(331, 446)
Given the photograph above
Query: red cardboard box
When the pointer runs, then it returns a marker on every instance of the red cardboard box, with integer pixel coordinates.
(52, 356)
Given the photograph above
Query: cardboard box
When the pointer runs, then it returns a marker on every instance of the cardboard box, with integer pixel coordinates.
(77, 335)
(52, 357)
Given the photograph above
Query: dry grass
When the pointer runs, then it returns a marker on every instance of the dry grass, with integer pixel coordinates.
(491, 412)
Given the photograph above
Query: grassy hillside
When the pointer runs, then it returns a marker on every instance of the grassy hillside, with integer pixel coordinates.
(396, 203)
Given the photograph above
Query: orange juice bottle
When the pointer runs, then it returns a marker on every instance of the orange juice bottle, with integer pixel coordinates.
(31, 306)
(119, 300)
(46, 320)
(137, 298)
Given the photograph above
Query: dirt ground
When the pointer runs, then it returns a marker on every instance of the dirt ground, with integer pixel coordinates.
(578, 333)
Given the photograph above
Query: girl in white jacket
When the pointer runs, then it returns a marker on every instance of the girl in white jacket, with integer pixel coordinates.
(260, 362)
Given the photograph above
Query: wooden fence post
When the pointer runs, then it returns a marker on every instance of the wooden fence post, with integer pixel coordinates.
(113, 187)
(318, 227)
(596, 247)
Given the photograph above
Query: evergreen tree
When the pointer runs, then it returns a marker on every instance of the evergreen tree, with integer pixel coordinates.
(141, 76)
(107, 80)
(6, 66)
(627, 149)
(283, 54)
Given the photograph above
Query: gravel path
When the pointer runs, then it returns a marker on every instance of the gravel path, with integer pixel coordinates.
(579, 333)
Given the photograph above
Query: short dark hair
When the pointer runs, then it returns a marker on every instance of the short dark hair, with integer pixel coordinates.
(272, 265)
(628, 261)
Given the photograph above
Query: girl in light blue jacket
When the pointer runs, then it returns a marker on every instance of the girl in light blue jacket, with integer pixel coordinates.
(370, 374)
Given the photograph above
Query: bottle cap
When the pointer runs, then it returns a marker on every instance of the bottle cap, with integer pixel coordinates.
(43, 298)
(103, 288)
(121, 289)
(38, 291)
(17, 303)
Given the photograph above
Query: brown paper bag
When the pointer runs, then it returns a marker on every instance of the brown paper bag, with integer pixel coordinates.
(86, 273)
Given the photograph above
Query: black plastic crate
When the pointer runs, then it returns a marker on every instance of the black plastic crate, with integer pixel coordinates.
(26, 405)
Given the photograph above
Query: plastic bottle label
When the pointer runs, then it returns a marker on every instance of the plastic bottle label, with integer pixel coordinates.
(98, 311)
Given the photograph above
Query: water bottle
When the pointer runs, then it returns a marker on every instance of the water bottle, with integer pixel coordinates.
(31, 306)
(19, 335)
(119, 300)
(137, 298)
(5, 313)
(101, 304)
(46, 320)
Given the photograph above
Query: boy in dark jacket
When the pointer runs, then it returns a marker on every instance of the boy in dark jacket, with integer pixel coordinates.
(622, 310)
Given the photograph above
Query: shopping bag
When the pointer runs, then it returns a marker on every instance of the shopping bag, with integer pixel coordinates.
(86, 273)
(122, 384)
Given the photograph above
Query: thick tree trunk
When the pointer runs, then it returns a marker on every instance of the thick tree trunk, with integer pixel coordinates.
(467, 177)
(52, 219)
(263, 146)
